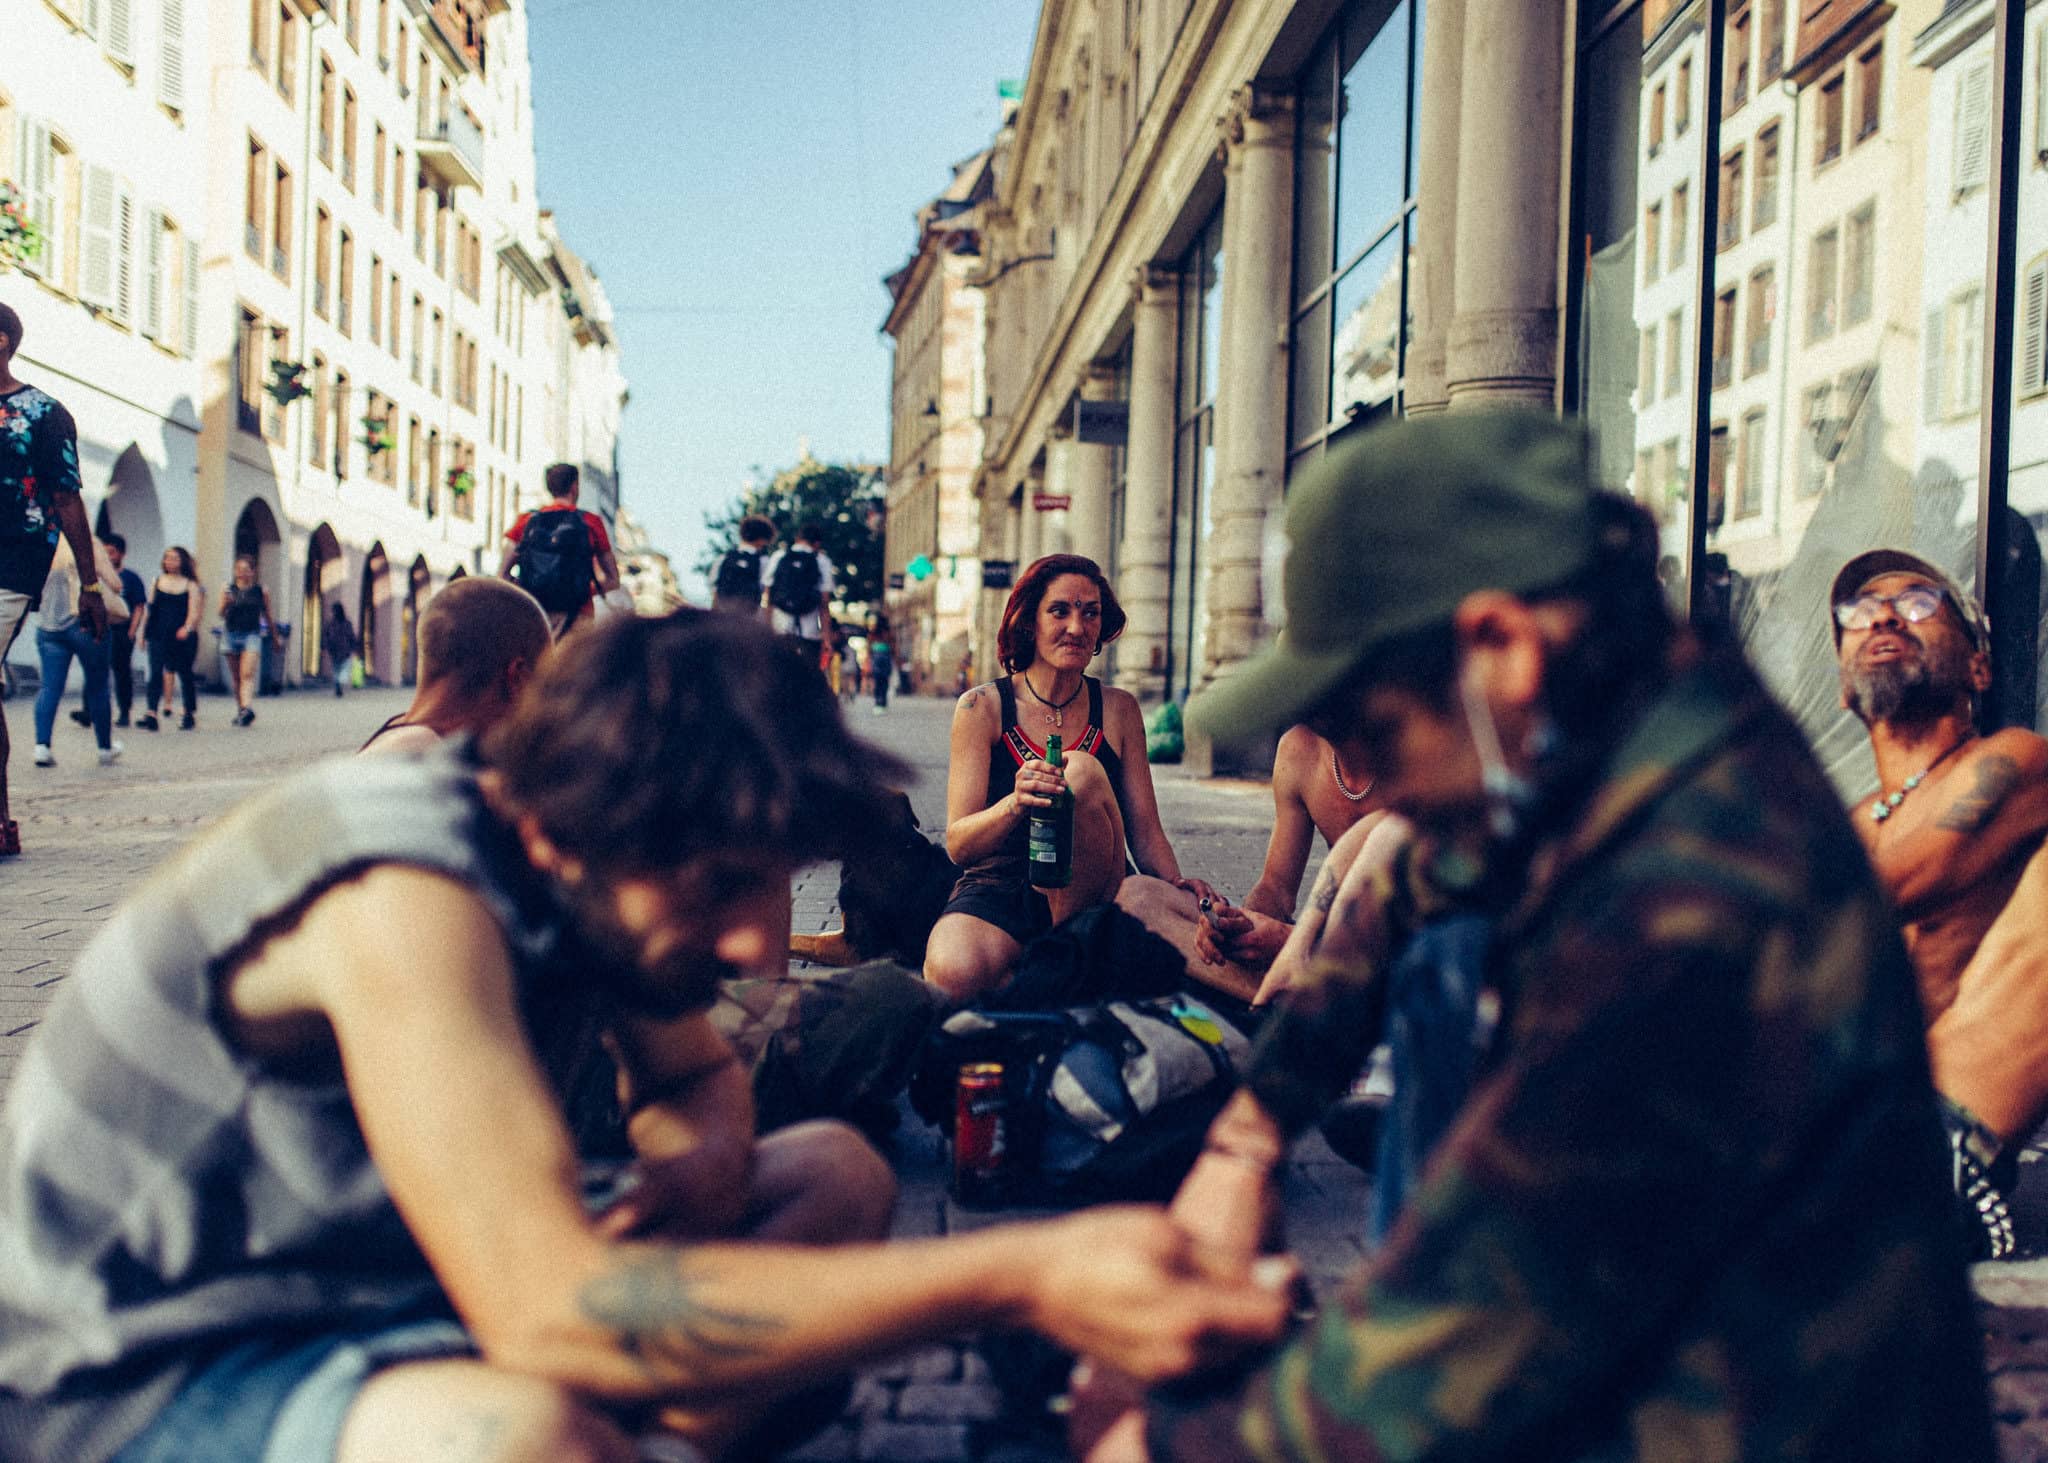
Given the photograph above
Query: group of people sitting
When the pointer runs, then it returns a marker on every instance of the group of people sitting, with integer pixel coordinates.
(302, 1162)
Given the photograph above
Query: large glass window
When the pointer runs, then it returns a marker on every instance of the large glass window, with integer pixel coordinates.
(1355, 222)
(1194, 452)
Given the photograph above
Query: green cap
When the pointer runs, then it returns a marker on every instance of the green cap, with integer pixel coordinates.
(1390, 534)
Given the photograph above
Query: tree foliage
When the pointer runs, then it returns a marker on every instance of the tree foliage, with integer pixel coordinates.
(846, 498)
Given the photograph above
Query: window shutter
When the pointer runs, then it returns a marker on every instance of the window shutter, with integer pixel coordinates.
(2041, 92)
(1934, 350)
(120, 39)
(97, 240)
(152, 322)
(124, 255)
(170, 71)
(1973, 128)
(2034, 327)
(188, 312)
(37, 170)
(93, 16)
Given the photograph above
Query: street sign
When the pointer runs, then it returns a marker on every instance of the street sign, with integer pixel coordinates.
(895, 581)
(919, 568)
(1102, 423)
(998, 573)
(1051, 502)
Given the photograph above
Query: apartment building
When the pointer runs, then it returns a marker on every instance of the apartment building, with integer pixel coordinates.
(104, 131)
(938, 398)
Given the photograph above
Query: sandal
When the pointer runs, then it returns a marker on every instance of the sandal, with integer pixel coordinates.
(10, 839)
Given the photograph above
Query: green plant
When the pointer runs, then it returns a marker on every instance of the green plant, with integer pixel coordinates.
(20, 239)
(288, 382)
(378, 436)
(460, 481)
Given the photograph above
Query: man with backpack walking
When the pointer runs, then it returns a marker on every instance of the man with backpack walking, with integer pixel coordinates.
(741, 577)
(800, 593)
(560, 554)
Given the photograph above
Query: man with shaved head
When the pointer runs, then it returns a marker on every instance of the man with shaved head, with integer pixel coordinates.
(39, 502)
(480, 641)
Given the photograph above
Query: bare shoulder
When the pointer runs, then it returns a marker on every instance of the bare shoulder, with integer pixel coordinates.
(1300, 750)
(981, 706)
(387, 923)
(2026, 752)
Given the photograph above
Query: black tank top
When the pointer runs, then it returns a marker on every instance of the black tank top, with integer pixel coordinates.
(167, 612)
(245, 609)
(1013, 748)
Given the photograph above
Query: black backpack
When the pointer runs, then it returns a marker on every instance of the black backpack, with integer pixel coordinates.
(797, 583)
(555, 561)
(739, 575)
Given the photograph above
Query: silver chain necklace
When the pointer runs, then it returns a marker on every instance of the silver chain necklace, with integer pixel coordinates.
(1337, 775)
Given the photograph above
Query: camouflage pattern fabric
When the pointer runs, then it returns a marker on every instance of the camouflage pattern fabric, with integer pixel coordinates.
(1697, 1207)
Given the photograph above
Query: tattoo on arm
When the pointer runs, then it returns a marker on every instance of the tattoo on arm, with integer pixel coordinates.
(1996, 777)
(1325, 893)
(651, 1301)
(971, 700)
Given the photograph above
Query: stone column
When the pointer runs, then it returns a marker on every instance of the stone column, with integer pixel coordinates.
(1144, 583)
(1030, 525)
(1251, 394)
(1085, 478)
(1503, 341)
(1436, 206)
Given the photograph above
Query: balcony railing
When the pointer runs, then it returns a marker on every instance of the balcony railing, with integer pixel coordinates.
(1724, 370)
(1730, 230)
(341, 315)
(320, 298)
(453, 149)
(1758, 357)
(252, 241)
(280, 263)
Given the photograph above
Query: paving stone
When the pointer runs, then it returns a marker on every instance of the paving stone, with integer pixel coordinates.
(913, 1442)
(949, 1402)
(838, 1443)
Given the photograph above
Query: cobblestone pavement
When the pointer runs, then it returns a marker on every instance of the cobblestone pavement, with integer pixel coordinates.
(92, 832)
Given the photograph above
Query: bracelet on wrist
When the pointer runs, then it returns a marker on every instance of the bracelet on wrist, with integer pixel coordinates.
(93, 588)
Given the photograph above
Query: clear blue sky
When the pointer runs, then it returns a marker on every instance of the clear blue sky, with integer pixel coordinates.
(742, 174)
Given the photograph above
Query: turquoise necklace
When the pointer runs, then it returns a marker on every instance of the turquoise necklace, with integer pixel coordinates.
(1886, 805)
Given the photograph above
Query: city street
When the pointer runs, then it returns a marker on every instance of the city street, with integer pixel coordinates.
(91, 833)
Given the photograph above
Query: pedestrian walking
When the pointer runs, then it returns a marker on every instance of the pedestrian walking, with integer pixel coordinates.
(39, 503)
(742, 574)
(800, 580)
(245, 616)
(61, 637)
(123, 631)
(560, 554)
(881, 663)
(171, 635)
(339, 640)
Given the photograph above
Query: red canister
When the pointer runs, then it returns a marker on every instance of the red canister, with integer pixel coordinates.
(981, 1137)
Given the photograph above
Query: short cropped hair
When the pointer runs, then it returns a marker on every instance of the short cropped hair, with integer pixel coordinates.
(754, 529)
(115, 541)
(662, 739)
(475, 628)
(1017, 637)
(811, 531)
(562, 478)
(10, 326)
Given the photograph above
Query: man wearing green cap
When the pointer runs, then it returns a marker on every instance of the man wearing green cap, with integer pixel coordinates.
(1696, 1205)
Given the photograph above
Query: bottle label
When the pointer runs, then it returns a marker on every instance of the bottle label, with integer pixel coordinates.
(1044, 842)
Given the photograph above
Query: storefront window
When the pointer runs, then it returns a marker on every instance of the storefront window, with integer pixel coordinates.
(1201, 309)
(1355, 176)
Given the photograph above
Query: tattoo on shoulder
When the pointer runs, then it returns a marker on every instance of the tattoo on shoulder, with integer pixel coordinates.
(971, 700)
(1996, 776)
(652, 1302)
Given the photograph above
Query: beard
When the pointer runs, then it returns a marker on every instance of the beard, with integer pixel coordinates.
(1920, 686)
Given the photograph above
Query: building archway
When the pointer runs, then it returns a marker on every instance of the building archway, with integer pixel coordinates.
(419, 589)
(325, 572)
(256, 535)
(130, 508)
(373, 612)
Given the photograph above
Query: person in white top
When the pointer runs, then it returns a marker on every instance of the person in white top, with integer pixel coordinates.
(799, 583)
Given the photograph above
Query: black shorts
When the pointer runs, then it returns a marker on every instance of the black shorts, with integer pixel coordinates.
(1008, 903)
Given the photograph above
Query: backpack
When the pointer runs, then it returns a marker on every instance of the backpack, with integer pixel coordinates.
(1102, 1102)
(797, 583)
(739, 575)
(555, 561)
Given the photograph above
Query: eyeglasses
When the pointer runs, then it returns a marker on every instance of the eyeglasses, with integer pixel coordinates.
(1914, 604)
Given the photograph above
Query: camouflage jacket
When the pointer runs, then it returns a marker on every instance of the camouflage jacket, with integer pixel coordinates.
(1697, 1206)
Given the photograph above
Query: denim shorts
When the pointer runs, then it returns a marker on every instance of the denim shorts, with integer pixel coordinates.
(241, 640)
(284, 1399)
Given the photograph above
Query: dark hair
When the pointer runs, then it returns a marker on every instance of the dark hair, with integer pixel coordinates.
(811, 531)
(562, 479)
(665, 738)
(476, 627)
(1628, 627)
(10, 326)
(754, 529)
(186, 567)
(1017, 639)
(115, 541)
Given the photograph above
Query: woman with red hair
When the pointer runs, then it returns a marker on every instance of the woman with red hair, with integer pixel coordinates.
(1060, 615)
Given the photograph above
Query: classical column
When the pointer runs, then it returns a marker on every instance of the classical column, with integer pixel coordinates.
(1030, 524)
(1085, 477)
(1251, 392)
(1503, 342)
(1144, 582)
(1436, 206)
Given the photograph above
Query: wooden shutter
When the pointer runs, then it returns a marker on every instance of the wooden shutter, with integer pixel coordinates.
(2034, 327)
(170, 71)
(93, 16)
(188, 310)
(124, 254)
(120, 37)
(1932, 351)
(36, 166)
(1973, 127)
(97, 237)
(151, 323)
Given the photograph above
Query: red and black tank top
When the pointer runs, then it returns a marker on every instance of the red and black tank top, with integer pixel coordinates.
(1014, 747)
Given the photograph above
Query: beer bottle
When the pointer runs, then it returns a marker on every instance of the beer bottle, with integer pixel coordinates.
(1050, 841)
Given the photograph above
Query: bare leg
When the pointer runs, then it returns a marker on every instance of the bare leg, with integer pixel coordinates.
(248, 666)
(967, 957)
(1098, 842)
(1172, 914)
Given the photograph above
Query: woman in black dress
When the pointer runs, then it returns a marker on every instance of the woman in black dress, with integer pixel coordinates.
(171, 634)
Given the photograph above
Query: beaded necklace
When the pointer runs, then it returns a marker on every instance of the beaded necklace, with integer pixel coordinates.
(1886, 805)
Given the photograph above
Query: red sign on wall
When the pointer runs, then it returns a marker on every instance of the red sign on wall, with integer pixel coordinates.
(1051, 502)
